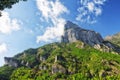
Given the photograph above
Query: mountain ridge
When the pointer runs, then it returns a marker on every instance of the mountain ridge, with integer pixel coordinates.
(86, 37)
(69, 60)
(114, 38)
(73, 32)
(64, 61)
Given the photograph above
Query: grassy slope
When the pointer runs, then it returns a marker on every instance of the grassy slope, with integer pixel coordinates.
(78, 62)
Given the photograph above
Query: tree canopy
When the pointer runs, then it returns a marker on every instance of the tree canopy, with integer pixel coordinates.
(7, 4)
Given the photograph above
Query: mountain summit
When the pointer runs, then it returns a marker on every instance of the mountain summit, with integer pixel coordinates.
(82, 55)
(73, 33)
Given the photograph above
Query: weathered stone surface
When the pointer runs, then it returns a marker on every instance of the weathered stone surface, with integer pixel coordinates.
(43, 67)
(59, 58)
(74, 33)
(56, 68)
(27, 64)
(11, 62)
(42, 58)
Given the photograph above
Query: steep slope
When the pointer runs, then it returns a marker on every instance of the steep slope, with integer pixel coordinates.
(73, 33)
(114, 39)
(81, 55)
(5, 72)
(70, 61)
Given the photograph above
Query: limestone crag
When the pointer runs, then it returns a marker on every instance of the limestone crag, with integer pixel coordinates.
(73, 33)
(11, 62)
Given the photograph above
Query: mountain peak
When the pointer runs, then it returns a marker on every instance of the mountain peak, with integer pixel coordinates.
(70, 25)
(73, 33)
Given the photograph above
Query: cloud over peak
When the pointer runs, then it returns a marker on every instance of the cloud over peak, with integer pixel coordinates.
(89, 10)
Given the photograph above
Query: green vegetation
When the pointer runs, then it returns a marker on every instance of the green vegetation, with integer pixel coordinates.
(5, 72)
(22, 74)
(71, 61)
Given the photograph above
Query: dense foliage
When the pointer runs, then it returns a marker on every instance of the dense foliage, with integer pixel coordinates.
(5, 72)
(71, 61)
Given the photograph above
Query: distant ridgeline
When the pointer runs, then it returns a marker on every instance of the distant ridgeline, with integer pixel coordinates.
(81, 55)
(114, 38)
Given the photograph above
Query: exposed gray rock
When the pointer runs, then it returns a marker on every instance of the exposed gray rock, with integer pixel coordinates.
(73, 33)
(59, 58)
(23, 62)
(56, 68)
(11, 62)
(43, 67)
(56, 58)
(27, 64)
(97, 46)
(42, 58)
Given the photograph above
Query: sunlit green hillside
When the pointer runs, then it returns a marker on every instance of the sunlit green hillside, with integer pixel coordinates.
(60, 61)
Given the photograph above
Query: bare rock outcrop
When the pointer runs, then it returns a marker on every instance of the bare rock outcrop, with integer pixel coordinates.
(73, 33)
(11, 62)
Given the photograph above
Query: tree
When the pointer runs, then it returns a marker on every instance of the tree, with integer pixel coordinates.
(7, 4)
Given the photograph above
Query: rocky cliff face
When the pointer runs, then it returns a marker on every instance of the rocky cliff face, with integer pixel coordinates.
(73, 33)
(11, 62)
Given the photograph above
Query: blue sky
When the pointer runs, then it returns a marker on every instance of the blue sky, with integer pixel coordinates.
(37, 22)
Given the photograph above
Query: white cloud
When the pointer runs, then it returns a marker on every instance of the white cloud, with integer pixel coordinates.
(51, 11)
(3, 48)
(8, 25)
(90, 6)
(90, 10)
(52, 33)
